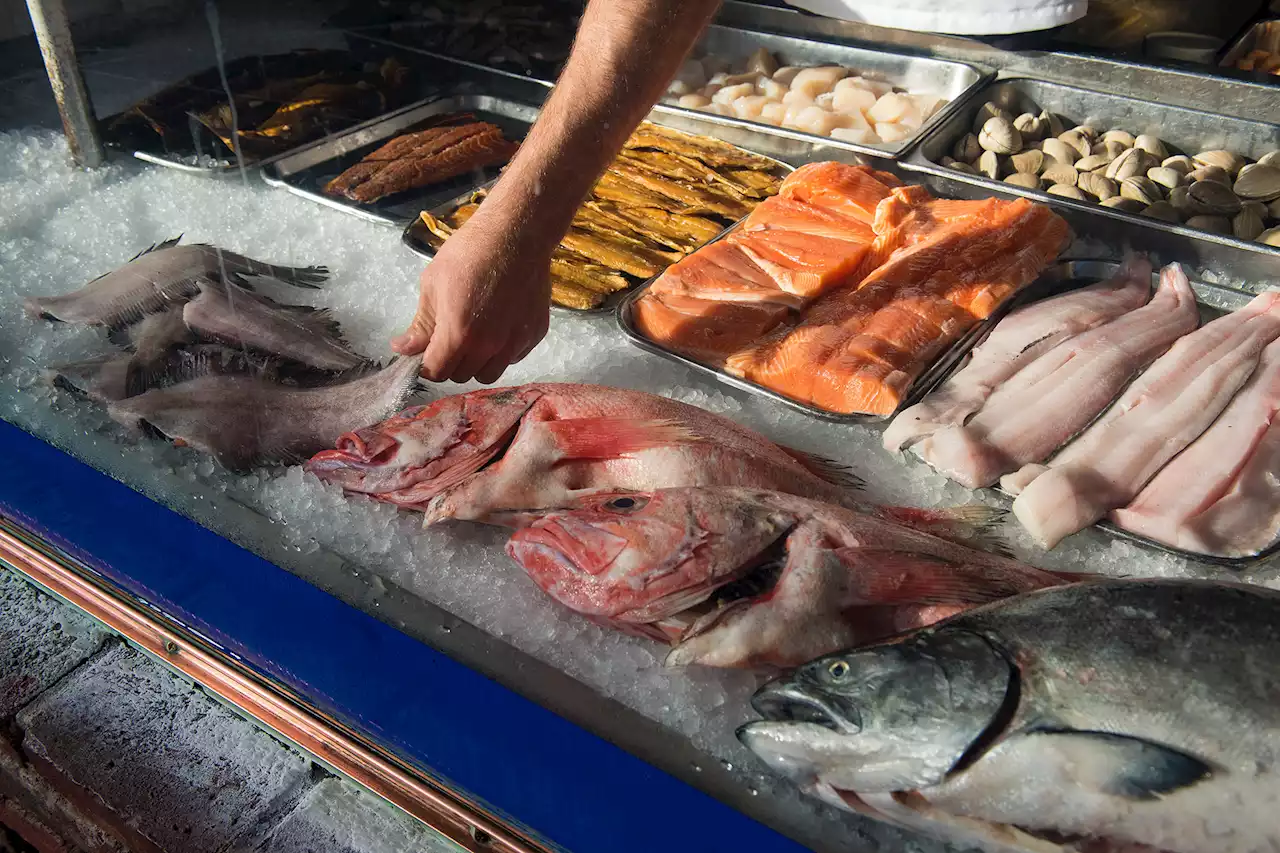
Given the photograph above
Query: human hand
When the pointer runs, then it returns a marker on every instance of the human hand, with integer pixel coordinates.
(484, 303)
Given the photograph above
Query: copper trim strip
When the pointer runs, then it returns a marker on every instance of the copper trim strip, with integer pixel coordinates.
(444, 811)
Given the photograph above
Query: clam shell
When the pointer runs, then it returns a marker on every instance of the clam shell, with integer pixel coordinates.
(989, 111)
(1119, 202)
(1068, 191)
(1141, 189)
(1115, 149)
(1274, 209)
(990, 165)
(1258, 182)
(1031, 126)
(1123, 137)
(1060, 151)
(1271, 158)
(1053, 123)
(999, 135)
(1062, 174)
(1098, 186)
(1093, 161)
(1209, 173)
(1152, 145)
(1180, 198)
(1028, 162)
(1165, 177)
(1271, 237)
(967, 148)
(1247, 225)
(1088, 132)
(963, 167)
(1216, 224)
(1228, 161)
(1130, 164)
(1163, 211)
(1029, 180)
(1180, 162)
(1078, 141)
(1213, 199)
(1257, 207)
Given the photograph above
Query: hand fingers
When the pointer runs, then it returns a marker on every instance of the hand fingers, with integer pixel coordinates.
(413, 340)
(441, 357)
(493, 371)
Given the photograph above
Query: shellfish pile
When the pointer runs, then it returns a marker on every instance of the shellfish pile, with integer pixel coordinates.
(1217, 191)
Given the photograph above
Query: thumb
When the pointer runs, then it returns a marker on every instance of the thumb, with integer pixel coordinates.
(414, 339)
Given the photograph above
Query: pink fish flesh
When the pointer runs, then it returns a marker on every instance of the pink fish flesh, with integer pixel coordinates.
(1055, 396)
(1019, 339)
(1165, 409)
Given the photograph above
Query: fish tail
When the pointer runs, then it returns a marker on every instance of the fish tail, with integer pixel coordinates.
(835, 473)
(237, 265)
(974, 525)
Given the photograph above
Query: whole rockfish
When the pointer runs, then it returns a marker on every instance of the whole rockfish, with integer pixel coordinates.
(544, 445)
(1096, 716)
(741, 577)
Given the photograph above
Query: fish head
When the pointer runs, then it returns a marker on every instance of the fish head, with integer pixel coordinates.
(423, 451)
(898, 716)
(637, 558)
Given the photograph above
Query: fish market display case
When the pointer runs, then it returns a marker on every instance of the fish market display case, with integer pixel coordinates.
(417, 662)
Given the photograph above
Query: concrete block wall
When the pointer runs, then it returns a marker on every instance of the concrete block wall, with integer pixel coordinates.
(103, 750)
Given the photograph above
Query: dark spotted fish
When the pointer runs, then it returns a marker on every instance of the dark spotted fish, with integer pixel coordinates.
(158, 277)
(245, 421)
(108, 378)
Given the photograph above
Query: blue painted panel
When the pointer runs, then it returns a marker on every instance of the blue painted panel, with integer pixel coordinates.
(575, 789)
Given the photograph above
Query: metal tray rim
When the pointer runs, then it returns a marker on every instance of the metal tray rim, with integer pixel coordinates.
(918, 162)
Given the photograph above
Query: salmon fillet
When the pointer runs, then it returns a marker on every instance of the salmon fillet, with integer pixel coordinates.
(852, 190)
(705, 330)
(798, 263)
(722, 272)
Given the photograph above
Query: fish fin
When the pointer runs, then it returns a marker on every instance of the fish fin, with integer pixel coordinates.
(972, 525)
(163, 244)
(608, 438)
(120, 336)
(835, 473)
(901, 577)
(1125, 766)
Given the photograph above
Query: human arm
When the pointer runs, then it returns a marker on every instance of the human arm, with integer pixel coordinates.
(485, 297)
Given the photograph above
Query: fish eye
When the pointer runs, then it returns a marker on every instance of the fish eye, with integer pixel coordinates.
(838, 670)
(626, 503)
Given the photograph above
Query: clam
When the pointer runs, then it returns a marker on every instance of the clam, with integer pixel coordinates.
(1257, 207)
(1068, 191)
(1209, 173)
(1258, 182)
(1213, 199)
(1119, 202)
(1031, 126)
(1163, 211)
(1274, 209)
(1271, 237)
(1228, 161)
(1216, 224)
(1130, 164)
(1029, 180)
(1123, 137)
(1115, 149)
(1061, 174)
(1088, 132)
(1093, 161)
(1181, 162)
(999, 135)
(1078, 141)
(963, 167)
(989, 164)
(1152, 145)
(1098, 186)
(1180, 198)
(1247, 224)
(989, 111)
(1166, 177)
(1141, 189)
(1060, 151)
(1028, 162)
(967, 148)
(1271, 158)
(1052, 122)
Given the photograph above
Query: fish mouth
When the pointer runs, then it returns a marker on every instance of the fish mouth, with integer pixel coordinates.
(785, 703)
(584, 548)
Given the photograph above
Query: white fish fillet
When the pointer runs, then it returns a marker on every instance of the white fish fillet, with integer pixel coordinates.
(1218, 496)
(1018, 340)
(1059, 393)
(1166, 409)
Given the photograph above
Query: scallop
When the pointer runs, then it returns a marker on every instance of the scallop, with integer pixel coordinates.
(694, 102)
(879, 88)
(693, 73)
(786, 74)
(825, 100)
(762, 62)
(718, 78)
(729, 94)
(773, 113)
(890, 108)
(719, 109)
(679, 88)
(818, 121)
(815, 81)
(852, 99)
(794, 98)
(751, 77)
(771, 89)
(892, 132)
(856, 135)
(749, 106)
(927, 105)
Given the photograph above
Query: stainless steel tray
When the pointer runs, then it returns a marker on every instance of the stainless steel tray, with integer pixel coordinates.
(938, 370)
(1189, 130)
(306, 171)
(416, 236)
(1262, 32)
(1214, 302)
(955, 81)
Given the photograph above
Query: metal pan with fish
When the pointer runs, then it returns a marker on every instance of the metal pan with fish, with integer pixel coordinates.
(313, 172)
(668, 193)
(279, 102)
(936, 372)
